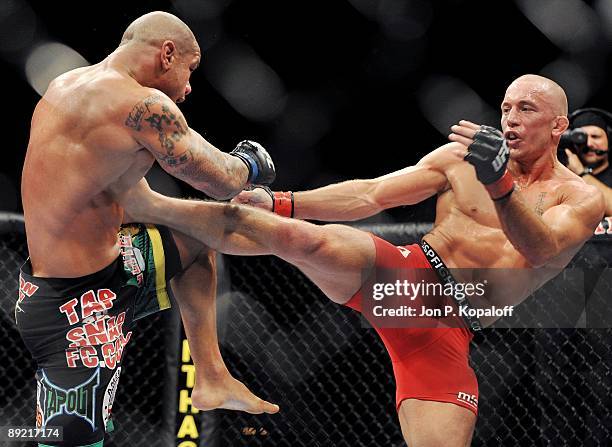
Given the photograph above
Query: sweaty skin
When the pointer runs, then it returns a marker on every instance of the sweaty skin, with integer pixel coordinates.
(535, 231)
(81, 148)
(543, 224)
(96, 132)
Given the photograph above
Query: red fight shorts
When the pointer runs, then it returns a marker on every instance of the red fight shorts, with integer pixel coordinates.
(429, 363)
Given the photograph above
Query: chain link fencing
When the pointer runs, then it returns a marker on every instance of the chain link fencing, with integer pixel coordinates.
(331, 376)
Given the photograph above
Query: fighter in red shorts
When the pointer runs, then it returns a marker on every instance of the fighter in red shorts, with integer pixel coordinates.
(419, 353)
(503, 202)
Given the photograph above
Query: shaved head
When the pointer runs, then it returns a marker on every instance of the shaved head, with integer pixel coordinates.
(543, 89)
(156, 27)
(534, 116)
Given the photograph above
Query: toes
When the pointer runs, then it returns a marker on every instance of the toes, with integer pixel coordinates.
(270, 408)
(262, 406)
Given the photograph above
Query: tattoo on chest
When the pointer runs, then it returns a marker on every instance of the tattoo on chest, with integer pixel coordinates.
(539, 209)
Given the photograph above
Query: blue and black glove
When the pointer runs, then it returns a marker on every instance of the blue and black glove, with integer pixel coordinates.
(257, 159)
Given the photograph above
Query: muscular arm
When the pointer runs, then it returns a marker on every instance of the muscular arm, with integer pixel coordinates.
(357, 199)
(158, 125)
(560, 231)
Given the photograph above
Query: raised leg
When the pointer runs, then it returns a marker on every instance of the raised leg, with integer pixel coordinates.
(336, 258)
(195, 291)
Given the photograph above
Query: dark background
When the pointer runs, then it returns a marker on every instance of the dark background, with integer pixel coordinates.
(340, 89)
(350, 88)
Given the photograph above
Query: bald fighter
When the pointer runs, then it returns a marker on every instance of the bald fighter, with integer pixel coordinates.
(504, 202)
(99, 129)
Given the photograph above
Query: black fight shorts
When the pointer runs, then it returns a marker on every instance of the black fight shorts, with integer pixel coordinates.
(77, 330)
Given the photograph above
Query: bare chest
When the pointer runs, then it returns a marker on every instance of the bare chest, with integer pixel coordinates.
(470, 198)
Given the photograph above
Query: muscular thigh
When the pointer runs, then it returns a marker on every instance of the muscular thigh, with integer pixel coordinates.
(436, 424)
(339, 260)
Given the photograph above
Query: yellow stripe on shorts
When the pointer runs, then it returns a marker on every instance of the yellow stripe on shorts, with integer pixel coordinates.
(160, 267)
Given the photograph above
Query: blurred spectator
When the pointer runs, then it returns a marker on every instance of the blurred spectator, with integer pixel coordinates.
(591, 161)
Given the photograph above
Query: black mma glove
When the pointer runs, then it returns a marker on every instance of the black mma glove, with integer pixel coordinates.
(489, 154)
(257, 159)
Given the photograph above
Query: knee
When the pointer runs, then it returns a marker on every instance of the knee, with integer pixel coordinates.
(232, 215)
(190, 249)
(203, 261)
(207, 258)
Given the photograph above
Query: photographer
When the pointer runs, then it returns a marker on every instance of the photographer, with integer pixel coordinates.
(586, 147)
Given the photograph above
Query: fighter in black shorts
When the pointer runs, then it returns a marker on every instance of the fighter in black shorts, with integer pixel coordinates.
(77, 330)
(97, 130)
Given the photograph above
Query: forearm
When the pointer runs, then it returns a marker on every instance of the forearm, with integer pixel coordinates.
(157, 124)
(605, 190)
(357, 199)
(211, 171)
(350, 200)
(527, 232)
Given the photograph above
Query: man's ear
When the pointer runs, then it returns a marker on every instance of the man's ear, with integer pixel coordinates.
(561, 124)
(168, 54)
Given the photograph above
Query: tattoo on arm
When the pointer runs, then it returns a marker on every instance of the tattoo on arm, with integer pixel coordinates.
(539, 209)
(170, 128)
(134, 119)
(158, 124)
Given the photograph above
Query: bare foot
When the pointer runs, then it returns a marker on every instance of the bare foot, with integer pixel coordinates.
(230, 394)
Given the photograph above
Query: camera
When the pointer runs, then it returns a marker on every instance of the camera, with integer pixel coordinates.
(573, 139)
